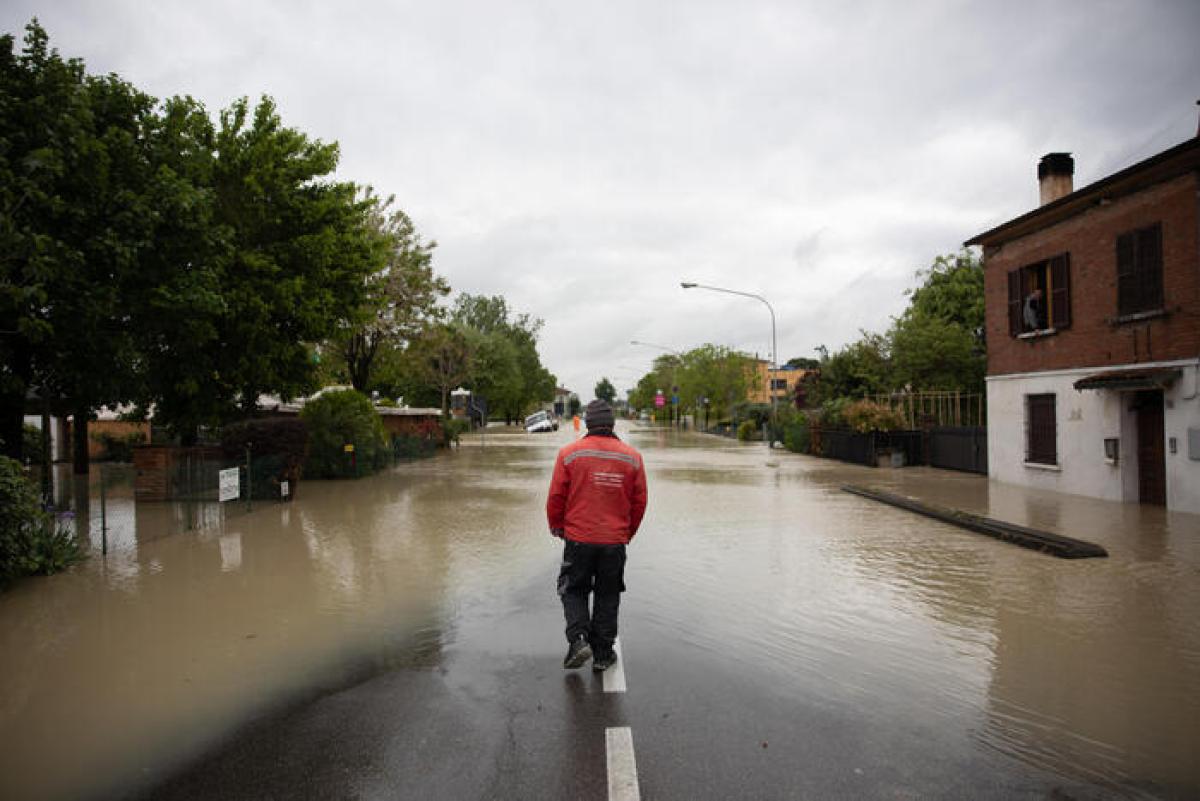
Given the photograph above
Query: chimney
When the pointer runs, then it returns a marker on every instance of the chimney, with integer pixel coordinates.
(1055, 174)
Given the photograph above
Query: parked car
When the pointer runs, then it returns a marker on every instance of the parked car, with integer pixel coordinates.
(540, 421)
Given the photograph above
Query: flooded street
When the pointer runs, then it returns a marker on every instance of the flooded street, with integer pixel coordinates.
(782, 639)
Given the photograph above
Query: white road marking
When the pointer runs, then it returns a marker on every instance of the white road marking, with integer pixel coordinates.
(614, 677)
(622, 770)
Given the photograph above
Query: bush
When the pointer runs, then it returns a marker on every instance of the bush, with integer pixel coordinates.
(341, 418)
(278, 446)
(417, 437)
(748, 430)
(865, 415)
(31, 446)
(797, 437)
(452, 429)
(31, 541)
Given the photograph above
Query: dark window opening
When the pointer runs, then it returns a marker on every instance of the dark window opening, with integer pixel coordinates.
(778, 383)
(1041, 430)
(1039, 296)
(1139, 271)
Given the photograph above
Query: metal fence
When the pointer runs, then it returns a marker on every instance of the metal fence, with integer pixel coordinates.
(959, 448)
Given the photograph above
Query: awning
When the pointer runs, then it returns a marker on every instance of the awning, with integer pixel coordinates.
(1151, 378)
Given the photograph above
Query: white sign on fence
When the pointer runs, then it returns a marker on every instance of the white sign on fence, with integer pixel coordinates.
(283, 489)
(229, 490)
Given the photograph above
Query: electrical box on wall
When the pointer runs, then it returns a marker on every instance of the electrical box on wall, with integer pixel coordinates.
(1194, 444)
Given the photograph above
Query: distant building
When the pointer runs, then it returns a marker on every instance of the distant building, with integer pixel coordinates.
(1093, 332)
(562, 401)
(783, 382)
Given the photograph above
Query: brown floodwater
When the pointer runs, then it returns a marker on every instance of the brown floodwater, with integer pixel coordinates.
(202, 618)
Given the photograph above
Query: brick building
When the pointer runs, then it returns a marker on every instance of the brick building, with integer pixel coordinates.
(1093, 332)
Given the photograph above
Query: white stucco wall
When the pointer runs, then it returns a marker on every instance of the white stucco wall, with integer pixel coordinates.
(1084, 420)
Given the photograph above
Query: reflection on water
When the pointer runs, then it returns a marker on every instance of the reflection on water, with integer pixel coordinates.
(201, 617)
(1089, 669)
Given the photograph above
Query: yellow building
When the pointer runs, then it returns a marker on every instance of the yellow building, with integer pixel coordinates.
(783, 382)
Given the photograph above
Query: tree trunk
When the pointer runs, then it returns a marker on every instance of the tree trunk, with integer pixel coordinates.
(82, 460)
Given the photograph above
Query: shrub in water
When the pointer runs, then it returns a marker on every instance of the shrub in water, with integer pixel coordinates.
(747, 431)
(31, 541)
(335, 420)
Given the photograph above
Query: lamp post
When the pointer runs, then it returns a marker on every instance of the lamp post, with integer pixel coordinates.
(672, 351)
(774, 351)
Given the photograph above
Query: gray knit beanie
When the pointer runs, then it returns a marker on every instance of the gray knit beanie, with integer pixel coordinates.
(599, 415)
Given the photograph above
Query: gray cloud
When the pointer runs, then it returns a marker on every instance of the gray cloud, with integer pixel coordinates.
(583, 160)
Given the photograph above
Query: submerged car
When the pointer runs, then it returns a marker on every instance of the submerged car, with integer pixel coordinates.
(540, 421)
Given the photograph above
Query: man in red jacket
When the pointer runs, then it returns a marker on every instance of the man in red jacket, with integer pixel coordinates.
(597, 499)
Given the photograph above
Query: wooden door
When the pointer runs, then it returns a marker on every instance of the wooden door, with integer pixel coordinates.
(1151, 455)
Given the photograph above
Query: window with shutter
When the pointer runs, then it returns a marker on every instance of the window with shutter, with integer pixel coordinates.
(1039, 297)
(1041, 430)
(1139, 271)
(1060, 291)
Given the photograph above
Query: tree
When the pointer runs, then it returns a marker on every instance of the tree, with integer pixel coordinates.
(401, 298)
(938, 342)
(285, 263)
(445, 359)
(863, 367)
(605, 390)
(75, 219)
(509, 371)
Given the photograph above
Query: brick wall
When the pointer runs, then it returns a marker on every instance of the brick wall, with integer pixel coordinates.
(1093, 340)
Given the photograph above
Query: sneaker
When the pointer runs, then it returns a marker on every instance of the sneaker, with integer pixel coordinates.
(579, 653)
(603, 661)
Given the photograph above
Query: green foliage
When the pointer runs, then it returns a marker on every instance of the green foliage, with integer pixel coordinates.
(605, 390)
(340, 418)
(712, 373)
(831, 413)
(441, 357)
(748, 430)
(797, 436)
(452, 429)
(117, 448)
(865, 415)
(936, 344)
(573, 406)
(152, 256)
(34, 450)
(505, 366)
(31, 541)
(75, 217)
(401, 299)
(278, 447)
(862, 367)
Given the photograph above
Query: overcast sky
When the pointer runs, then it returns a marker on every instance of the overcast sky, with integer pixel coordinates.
(583, 159)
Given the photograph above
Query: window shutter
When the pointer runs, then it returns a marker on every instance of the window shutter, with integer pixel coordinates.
(1014, 303)
(1149, 268)
(1060, 281)
(1127, 285)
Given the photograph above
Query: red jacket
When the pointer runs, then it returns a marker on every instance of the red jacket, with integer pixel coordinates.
(598, 492)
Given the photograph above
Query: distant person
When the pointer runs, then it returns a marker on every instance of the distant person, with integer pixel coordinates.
(596, 502)
(1033, 311)
(575, 422)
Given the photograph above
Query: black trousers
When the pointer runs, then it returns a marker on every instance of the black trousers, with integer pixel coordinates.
(597, 571)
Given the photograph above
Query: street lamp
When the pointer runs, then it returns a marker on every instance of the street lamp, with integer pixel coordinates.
(774, 351)
(674, 411)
